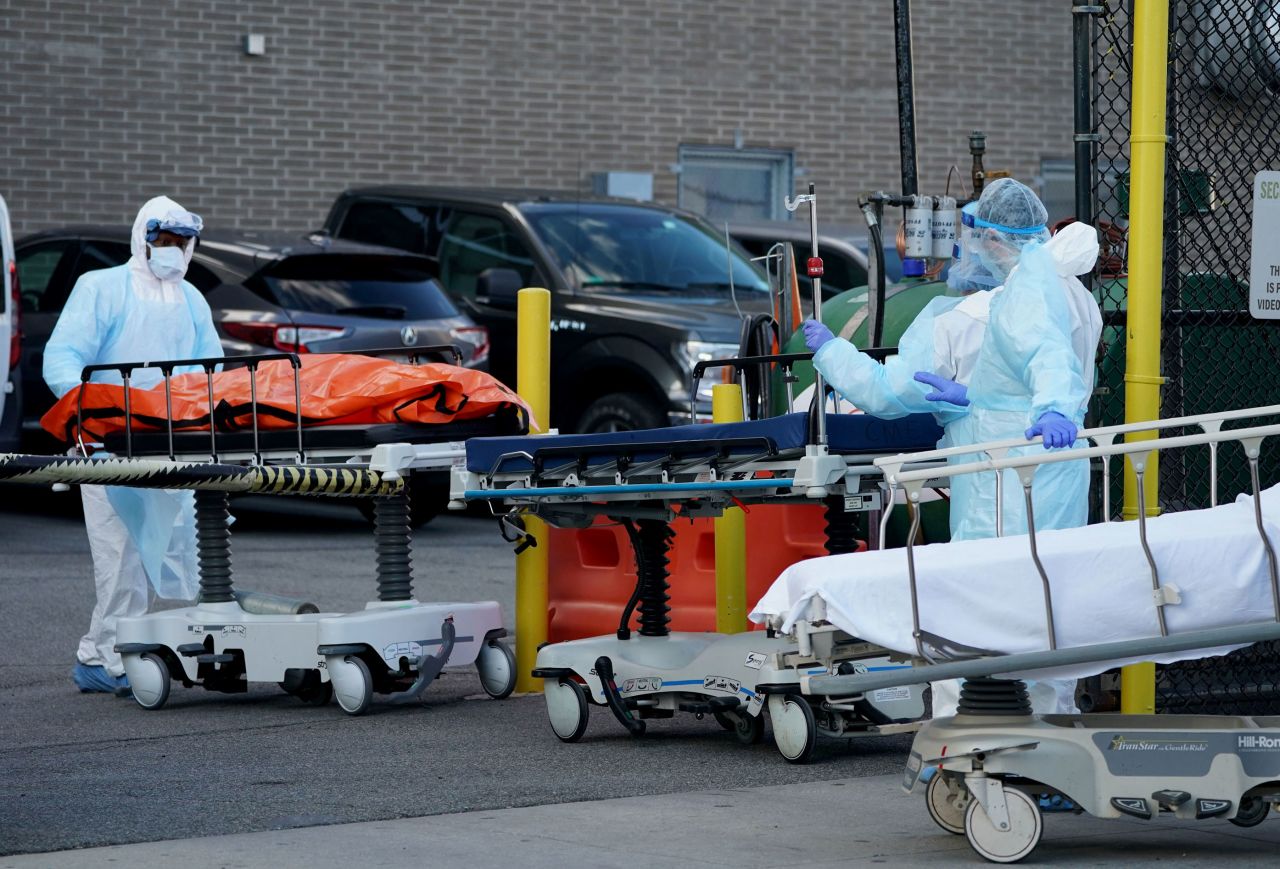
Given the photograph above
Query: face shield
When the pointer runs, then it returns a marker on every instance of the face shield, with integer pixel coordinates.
(1005, 219)
(177, 221)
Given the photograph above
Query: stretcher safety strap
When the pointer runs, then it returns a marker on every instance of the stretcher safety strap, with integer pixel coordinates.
(162, 474)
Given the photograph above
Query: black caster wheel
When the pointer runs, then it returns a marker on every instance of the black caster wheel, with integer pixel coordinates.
(1252, 811)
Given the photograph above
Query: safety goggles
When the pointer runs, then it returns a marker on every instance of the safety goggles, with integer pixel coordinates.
(969, 218)
(183, 223)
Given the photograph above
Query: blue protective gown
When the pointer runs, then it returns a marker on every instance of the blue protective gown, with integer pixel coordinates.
(1038, 356)
(945, 338)
(126, 314)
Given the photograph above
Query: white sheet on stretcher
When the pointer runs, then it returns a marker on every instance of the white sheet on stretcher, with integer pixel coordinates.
(987, 593)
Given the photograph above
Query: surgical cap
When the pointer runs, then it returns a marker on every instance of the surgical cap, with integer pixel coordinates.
(1011, 207)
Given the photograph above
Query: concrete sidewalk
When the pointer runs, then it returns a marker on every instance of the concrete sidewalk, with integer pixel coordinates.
(852, 822)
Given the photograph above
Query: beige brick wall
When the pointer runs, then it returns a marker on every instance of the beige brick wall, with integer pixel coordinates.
(107, 104)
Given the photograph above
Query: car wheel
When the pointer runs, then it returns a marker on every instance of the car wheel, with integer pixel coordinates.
(621, 411)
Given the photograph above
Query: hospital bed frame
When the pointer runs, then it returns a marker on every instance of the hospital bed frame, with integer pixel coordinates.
(644, 481)
(396, 646)
(987, 771)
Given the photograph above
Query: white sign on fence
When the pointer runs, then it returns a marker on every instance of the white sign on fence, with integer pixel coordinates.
(1264, 261)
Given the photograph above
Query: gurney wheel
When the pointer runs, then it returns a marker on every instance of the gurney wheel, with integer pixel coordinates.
(946, 805)
(497, 668)
(150, 681)
(1005, 846)
(352, 684)
(566, 708)
(1252, 811)
(749, 729)
(795, 731)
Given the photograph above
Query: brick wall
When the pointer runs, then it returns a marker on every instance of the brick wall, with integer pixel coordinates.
(107, 104)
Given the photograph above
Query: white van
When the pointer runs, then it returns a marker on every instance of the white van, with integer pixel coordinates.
(10, 336)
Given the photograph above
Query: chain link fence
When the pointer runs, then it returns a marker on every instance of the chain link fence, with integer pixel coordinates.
(1223, 104)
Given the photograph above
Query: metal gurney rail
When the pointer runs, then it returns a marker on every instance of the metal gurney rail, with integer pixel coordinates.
(948, 660)
(228, 639)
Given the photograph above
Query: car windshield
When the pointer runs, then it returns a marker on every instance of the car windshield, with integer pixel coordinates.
(642, 248)
(382, 287)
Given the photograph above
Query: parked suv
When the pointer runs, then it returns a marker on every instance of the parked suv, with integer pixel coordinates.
(267, 291)
(639, 292)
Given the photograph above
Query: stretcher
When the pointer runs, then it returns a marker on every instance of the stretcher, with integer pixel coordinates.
(1063, 603)
(648, 479)
(396, 646)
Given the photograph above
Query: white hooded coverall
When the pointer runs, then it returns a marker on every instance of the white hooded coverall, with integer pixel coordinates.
(126, 314)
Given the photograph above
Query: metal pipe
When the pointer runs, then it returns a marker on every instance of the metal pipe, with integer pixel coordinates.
(906, 95)
(126, 376)
(213, 438)
(1266, 541)
(1146, 226)
(297, 406)
(1085, 135)
(1146, 549)
(168, 406)
(886, 511)
(253, 409)
(1089, 433)
(1035, 558)
(533, 383)
(914, 507)
(1050, 457)
(1023, 662)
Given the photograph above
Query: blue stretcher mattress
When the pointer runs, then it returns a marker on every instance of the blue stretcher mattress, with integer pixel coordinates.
(846, 434)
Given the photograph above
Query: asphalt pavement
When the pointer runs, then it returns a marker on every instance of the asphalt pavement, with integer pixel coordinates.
(83, 770)
(259, 779)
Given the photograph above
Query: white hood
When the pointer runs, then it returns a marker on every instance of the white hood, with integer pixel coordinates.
(145, 284)
(1074, 248)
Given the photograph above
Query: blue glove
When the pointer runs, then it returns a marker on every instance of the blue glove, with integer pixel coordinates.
(943, 389)
(815, 335)
(1057, 430)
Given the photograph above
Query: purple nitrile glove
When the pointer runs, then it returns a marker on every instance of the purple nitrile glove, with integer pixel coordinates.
(1056, 429)
(815, 335)
(943, 389)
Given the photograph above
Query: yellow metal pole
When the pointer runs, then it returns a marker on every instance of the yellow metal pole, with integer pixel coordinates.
(1146, 246)
(533, 382)
(731, 532)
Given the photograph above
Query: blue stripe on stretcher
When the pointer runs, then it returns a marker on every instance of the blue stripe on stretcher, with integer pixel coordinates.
(846, 433)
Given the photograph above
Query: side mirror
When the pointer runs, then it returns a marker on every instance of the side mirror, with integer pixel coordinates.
(498, 287)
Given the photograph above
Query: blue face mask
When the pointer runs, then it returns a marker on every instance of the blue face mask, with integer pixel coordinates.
(167, 263)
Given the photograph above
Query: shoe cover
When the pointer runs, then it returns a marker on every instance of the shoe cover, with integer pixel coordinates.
(94, 678)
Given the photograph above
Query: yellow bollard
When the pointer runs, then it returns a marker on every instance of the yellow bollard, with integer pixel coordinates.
(1146, 246)
(731, 532)
(533, 382)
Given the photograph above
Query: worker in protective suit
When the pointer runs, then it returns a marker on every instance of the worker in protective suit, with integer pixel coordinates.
(142, 310)
(942, 349)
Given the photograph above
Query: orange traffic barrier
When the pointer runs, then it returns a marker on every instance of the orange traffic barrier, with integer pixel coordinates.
(593, 570)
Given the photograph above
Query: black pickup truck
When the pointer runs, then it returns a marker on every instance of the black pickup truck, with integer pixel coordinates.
(640, 292)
